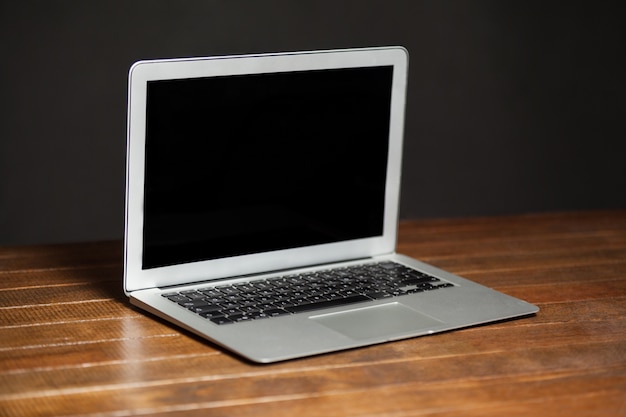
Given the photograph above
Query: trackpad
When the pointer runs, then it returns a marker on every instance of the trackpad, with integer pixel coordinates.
(377, 321)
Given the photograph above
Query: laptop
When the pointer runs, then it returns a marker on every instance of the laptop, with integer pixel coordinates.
(262, 199)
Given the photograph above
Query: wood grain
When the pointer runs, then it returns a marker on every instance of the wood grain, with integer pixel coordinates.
(70, 343)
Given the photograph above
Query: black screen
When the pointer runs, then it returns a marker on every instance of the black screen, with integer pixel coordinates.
(244, 164)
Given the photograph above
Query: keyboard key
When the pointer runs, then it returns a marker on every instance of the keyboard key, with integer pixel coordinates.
(221, 320)
(206, 309)
(240, 317)
(211, 314)
(176, 297)
(275, 312)
(193, 303)
(379, 295)
(258, 315)
(194, 295)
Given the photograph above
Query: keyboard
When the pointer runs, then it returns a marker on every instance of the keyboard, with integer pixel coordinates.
(298, 293)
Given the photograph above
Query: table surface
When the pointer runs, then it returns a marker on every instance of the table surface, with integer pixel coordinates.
(70, 343)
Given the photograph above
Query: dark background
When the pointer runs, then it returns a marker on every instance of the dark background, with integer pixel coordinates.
(513, 106)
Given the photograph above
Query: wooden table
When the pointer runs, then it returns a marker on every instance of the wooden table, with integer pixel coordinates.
(70, 343)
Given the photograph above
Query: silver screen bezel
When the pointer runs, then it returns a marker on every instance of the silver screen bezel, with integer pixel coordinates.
(136, 278)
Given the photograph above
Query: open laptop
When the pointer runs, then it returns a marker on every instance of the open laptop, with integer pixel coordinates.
(262, 205)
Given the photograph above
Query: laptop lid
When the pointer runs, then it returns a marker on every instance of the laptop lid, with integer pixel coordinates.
(246, 164)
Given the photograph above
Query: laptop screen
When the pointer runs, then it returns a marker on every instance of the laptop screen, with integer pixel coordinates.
(244, 164)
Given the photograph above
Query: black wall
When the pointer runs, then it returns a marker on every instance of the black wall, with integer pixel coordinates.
(513, 106)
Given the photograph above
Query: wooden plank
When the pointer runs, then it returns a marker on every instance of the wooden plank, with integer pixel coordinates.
(543, 275)
(85, 302)
(142, 343)
(310, 383)
(60, 276)
(599, 394)
(72, 311)
(423, 246)
(35, 258)
(536, 260)
(588, 222)
(93, 321)
(57, 294)
(570, 262)
(578, 291)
